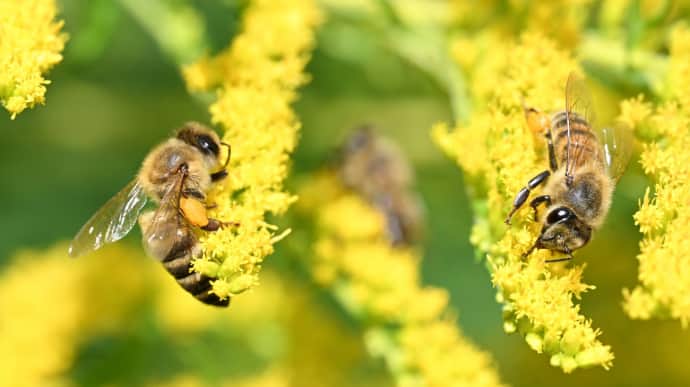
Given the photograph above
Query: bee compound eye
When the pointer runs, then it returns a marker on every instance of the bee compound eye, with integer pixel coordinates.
(207, 145)
(558, 215)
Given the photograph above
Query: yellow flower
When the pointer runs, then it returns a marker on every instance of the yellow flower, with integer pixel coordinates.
(635, 111)
(664, 215)
(257, 76)
(679, 68)
(406, 323)
(51, 303)
(442, 357)
(273, 325)
(538, 298)
(30, 44)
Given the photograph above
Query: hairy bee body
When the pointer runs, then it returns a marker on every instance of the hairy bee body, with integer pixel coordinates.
(158, 170)
(579, 183)
(582, 139)
(176, 175)
(157, 176)
(589, 193)
(377, 170)
(178, 259)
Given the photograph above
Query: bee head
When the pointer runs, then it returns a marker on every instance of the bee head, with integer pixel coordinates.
(563, 231)
(361, 138)
(200, 137)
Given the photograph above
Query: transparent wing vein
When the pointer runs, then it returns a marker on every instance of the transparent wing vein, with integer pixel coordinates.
(111, 222)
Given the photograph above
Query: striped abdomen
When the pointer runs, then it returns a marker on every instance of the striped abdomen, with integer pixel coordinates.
(179, 263)
(175, 251)
(584, 144)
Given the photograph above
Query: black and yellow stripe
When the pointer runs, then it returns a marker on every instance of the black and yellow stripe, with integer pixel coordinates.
(584, 144)
(179, 264)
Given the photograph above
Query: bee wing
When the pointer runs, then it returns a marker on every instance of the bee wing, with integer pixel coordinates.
(111, 222)
(578, 101)
(404, 215)
(160, 235)
(616, 147)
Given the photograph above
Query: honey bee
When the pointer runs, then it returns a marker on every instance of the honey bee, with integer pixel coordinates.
(176, 175)
(376, 169)
(585, 163)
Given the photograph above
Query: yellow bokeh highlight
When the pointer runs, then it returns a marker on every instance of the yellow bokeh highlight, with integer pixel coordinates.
(31, 43)
(52, 303)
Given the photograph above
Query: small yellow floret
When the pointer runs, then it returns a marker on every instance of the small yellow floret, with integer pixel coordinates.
(664, 214)
(30, 44)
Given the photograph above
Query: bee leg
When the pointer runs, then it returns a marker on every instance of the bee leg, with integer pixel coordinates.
(212, 225)
(553, 164)
(522, 196)
(568, 257)
(539, 200)
(220, 175)
(215, 224)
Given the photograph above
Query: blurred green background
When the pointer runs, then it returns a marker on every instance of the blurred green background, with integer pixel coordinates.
(116, 94)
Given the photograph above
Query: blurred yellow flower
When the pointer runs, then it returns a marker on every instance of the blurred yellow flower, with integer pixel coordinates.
(562, 20)
(258, 76)
(51, 303)
(613, 13)
(664, 214)
(297, 346)
(537, 297)
(30, 44)
(406, 323)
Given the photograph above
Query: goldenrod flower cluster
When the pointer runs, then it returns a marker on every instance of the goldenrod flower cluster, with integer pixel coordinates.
(538, 298)
(406, 323)
(30, 44)
(257, 77)
(664, 290)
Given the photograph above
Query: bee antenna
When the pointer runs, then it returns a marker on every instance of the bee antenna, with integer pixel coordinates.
(227, 159)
